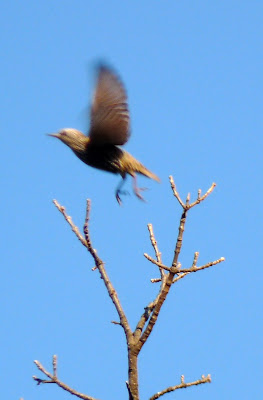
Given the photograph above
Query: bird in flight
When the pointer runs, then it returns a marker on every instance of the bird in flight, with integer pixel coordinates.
(109, 129)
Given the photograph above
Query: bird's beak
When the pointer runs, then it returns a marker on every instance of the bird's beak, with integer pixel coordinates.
(57, 135)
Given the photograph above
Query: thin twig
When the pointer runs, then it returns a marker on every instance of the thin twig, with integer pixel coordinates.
(98, 262)
(158, 254)
(187, 205)
(116, 323)
(133, 372)
(193, 268)
(155, 280)
(54, 379)
(55, 364)
(182, 385)
(180, 276)
(209, 264)
(176, 194)
(159, 264)
(101, 267)
(144, 318)
(196, 255)
(70, 222)
(168, 280)
(148, 309)
(202, 198)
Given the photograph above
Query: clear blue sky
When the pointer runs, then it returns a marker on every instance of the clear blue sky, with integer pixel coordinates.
(193, 72)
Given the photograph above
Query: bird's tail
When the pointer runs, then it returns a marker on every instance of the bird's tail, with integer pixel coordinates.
(141, 169)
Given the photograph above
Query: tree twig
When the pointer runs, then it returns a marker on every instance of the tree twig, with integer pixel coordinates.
(101, 267)
(135, 340)
(158, 254)
(202, 198)
(54, 379)
(182, 385)
(176, 194)
(70, 222)
(169, 279)
(187, 205)
(193, 268)
(133, 371)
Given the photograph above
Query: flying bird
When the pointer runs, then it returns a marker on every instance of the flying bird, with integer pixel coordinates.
(109, 129)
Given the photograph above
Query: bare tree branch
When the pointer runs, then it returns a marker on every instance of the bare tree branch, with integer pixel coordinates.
(98, 262)
(158, 254)
(132, 358)
(148, 309)
(168, 275)
(187, 205)
(159, 264)
(166, 285)
(101, 267)
(202, 198)
(53, 379)
(176, 194)
(55, 363)
(69, 221)
(182, 385)
(176, 270)
(168, 279)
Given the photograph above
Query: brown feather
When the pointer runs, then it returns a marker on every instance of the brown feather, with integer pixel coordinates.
(109, 111)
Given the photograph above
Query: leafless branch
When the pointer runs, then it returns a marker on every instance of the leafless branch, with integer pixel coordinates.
(202, 198)
(133, 372)
(159, 264)
(54, 379)
(176, 194)
(209, 264)
(116, 323)
(98, 262)
(69, 221)
(176, 270)
(168, 279)
(182, 275)
(182, 385)
(55, 362)
(168, 275)
(158, 254)
(187, 205)
(165, 288)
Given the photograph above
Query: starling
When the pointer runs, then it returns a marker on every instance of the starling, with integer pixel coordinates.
(109, 129)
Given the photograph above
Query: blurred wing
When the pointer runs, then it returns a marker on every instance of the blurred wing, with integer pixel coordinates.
(109, 117)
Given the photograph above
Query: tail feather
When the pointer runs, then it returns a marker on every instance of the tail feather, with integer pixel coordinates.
(141, 169)
(149, 174)
(130, 165)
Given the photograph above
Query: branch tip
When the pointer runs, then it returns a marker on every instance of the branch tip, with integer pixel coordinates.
(183, 384)
(55, 360)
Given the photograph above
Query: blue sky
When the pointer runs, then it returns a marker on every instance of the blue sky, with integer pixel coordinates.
(193, 72)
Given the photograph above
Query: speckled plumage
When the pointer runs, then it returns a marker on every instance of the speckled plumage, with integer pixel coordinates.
(109, 129)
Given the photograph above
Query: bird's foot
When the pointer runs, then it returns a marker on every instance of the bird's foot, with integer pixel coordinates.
(138, 191)
(118, 192)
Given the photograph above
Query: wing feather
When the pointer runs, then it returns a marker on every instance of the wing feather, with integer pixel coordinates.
(110, 119)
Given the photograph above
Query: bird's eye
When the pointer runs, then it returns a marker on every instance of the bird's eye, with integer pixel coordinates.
(62, 133)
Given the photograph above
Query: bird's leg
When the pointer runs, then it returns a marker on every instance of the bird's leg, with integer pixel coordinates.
(119, 191)
(136, 189)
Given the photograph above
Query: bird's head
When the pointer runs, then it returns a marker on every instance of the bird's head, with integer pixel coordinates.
(71, 137)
